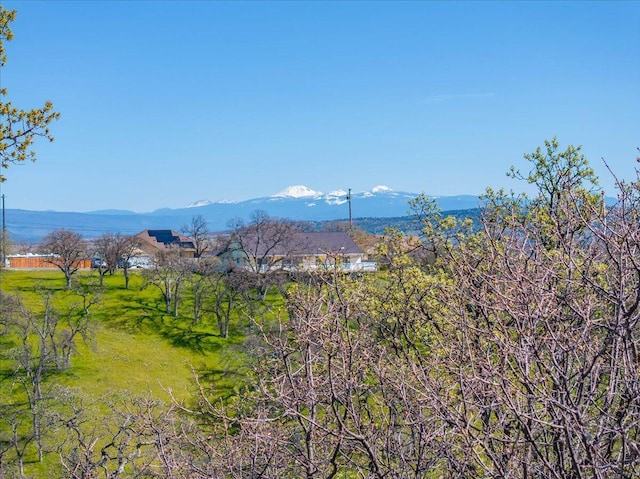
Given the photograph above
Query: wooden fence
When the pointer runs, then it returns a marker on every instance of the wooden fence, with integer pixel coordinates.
(39, 262)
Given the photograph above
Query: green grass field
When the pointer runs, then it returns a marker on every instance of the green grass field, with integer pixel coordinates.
(135, 345)
(134, 349)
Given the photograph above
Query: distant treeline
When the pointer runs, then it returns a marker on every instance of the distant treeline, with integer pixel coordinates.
(407, 224)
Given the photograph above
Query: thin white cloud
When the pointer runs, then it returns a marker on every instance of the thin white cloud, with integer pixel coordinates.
(456, 96)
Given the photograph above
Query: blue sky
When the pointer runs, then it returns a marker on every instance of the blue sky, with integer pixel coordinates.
(165, 103)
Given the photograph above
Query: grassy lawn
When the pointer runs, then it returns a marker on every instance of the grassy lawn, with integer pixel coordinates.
(135, 345)
(135, 348)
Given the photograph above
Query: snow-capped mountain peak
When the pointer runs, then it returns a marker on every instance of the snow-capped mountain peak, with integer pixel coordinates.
(380, 189)
(198, 203)
(297, 191)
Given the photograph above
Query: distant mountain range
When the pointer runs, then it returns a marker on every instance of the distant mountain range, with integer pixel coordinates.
(295, 202)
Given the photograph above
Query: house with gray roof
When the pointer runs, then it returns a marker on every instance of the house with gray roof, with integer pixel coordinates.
(302, 251)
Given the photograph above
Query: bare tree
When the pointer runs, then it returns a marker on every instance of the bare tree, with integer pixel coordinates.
(104, 254)
(67, 250)
(114, 251)
(330, 398)
(215, 291)
(168, 274)
(130, 439)
(128, 248)
(199, 283)
(16, 437)
(227, 294)
(261, 246)
(46, 341)
(34, 364)
(15, 433)
(198, 231)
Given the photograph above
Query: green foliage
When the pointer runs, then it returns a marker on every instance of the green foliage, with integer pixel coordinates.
(557, 173)
(6, 34)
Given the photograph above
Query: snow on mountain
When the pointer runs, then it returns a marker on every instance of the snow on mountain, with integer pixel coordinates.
(336, 197)
(198, 203)
(297, 191)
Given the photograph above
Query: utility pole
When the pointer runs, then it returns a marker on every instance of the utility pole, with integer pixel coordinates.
(350, 219)
(4, 236)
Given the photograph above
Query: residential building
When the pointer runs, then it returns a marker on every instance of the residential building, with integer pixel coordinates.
(153, 242)
(302, 251)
